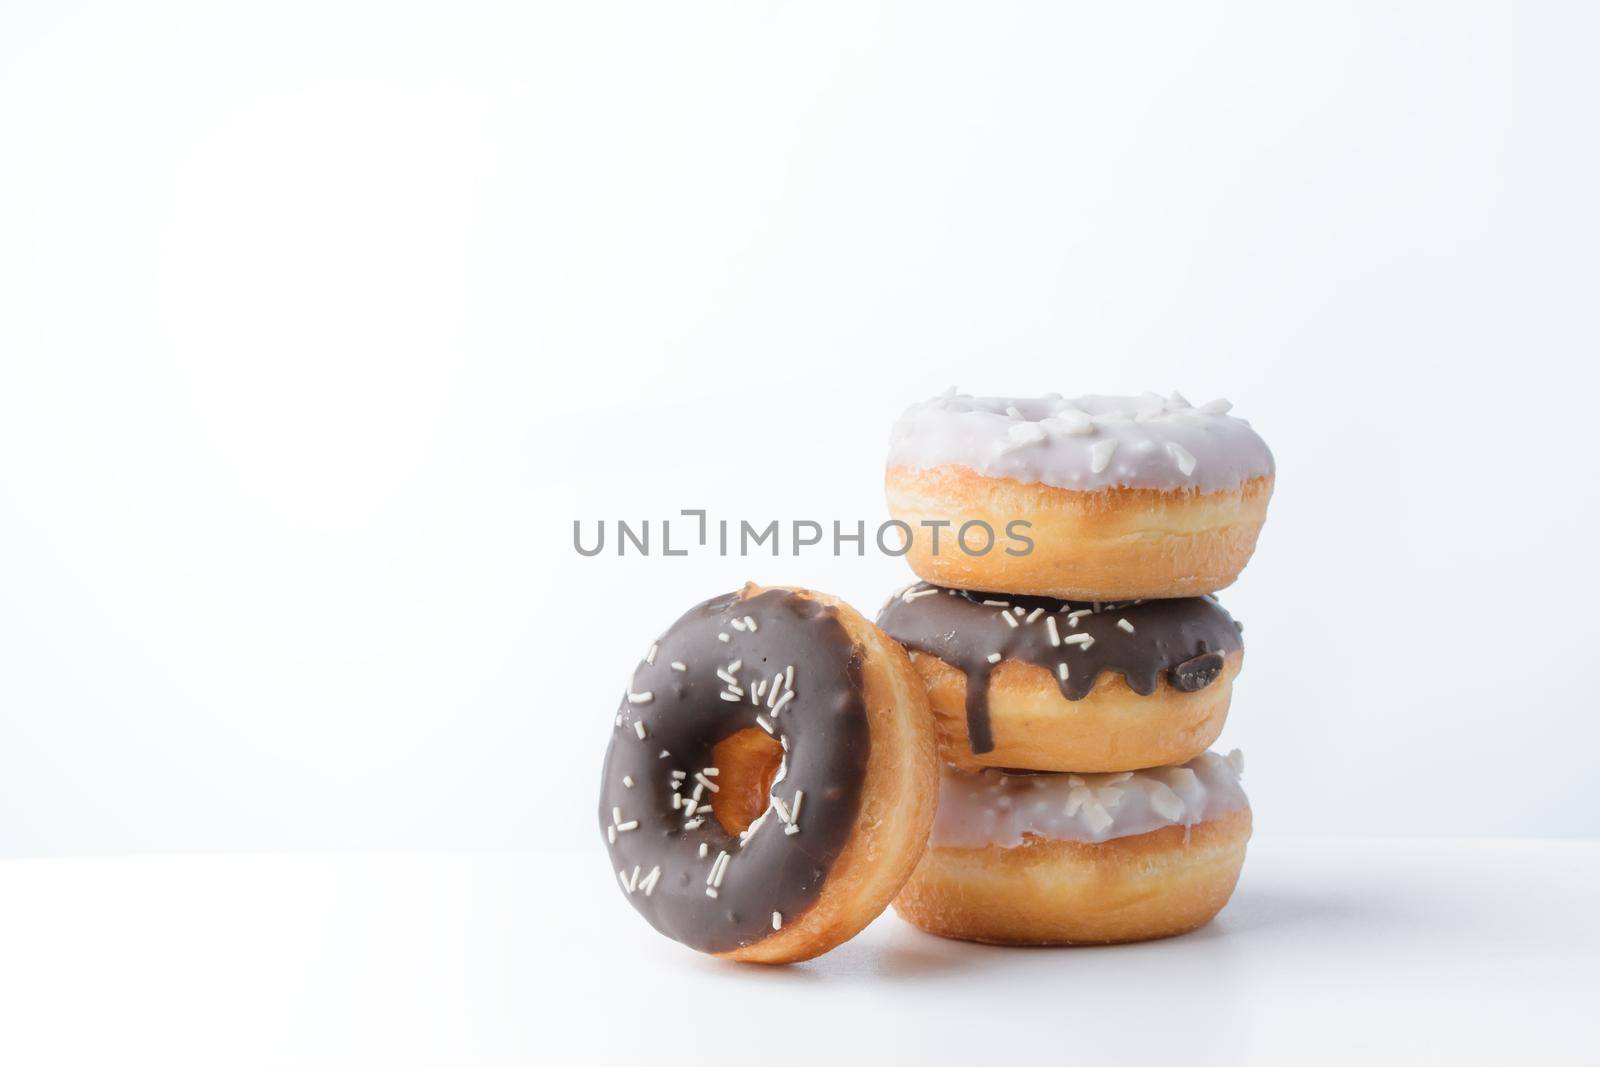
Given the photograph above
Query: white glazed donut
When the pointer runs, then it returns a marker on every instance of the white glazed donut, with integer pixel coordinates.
(1124, 497)
(1041, 859)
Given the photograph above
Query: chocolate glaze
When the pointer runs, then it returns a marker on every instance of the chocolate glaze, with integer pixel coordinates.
(1193, 675)
(1185, 639)
(824, 728)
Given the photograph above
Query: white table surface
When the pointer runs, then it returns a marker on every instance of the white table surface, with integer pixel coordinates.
(1332, 951)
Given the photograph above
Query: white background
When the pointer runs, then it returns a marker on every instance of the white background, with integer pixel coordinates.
(321, 323)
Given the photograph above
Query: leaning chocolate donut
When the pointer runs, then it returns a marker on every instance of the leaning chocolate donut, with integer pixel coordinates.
(771, 777)
(1055, 685)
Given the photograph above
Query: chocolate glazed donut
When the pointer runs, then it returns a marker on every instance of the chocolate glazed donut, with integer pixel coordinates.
(1170, 663)
(740, 765)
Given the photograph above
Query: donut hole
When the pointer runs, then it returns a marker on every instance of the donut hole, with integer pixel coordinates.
(747, 762)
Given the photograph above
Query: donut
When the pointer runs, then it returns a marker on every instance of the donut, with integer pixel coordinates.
(771, 776)
(1089, 498)
(1065, 859)
(1060, 685)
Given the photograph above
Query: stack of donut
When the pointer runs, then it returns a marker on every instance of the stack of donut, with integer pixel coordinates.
(1016, 752)
(1077, 687)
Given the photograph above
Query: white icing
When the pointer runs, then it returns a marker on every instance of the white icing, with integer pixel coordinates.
(1086, 442)
(995, 808)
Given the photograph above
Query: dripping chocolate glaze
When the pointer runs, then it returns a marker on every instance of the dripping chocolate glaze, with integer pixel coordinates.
(826, 732)
(1184, 639)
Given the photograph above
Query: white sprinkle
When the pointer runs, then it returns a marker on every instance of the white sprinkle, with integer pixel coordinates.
(761, 689)
(1176, 399)
(719, 869)
(911, 595)
(1069, 421)
(788, 695)
(751, 623)
(791, 829)
(631, 824)
(638, 728)
(1125, 625)
(1050, 628)
(730, 696)
(641, 698)
(1182, 457)
(623, 878)
(997, 603)
(1077, 797)
(627, 781)
(611, 834)
(1165, 802)
(735, 665)
(704, 848)
(1236, 761)
(1096, 818)
(1080, 613)
(799, 795)
(764, 724)
(788, 676)
(726, 677)
(664, 754)
(994, 657)
(1216, 407)
(677, 801)
(680, 775)
(678, 665)
(723, 637)
(712, 893)
(1018, 612)
(1062, 671)
(1149, 408)
(777, 921)
(749, 831)
(777, 688)
(1100, 454)
(781, 808)
(693, 824)
(1180, 777)
(737, 624)
(650, 880)
(1010, 620)
(650, 657)
(1078, 639)
(1022, 435)
(616, 815)
(708, 783)
(1034, 615)
(711, 772)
